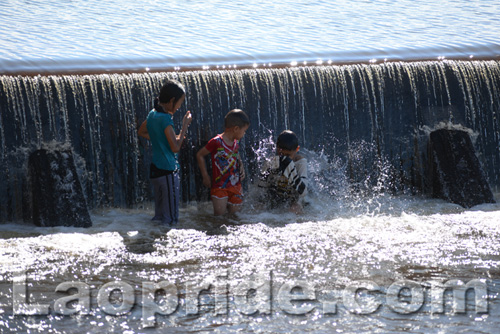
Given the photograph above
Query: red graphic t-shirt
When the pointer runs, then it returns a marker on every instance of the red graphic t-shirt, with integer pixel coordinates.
(225, 166)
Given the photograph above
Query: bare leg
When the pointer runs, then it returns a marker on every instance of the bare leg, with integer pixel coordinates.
(220, 206)
(296, 208)
(233, 208)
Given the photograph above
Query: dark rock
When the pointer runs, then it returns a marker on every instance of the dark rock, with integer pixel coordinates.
(454, 172)
(57, 195)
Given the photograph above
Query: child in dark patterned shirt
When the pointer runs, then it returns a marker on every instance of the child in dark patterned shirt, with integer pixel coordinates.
(285, 175)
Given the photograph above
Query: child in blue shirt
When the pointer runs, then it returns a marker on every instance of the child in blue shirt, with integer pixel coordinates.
(158, 128)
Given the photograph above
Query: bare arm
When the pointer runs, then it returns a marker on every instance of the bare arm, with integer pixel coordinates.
(143, 130)
(242, 168)
(200, 157)
(175, 141)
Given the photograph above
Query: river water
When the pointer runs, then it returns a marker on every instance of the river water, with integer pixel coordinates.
(341, 261)
(83, 35)
(335, 246)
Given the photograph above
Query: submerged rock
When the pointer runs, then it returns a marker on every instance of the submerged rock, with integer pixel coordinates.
(454, 172)
(57, 195)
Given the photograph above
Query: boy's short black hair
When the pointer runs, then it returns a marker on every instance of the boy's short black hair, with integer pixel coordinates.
(287, 140)
(236, 117)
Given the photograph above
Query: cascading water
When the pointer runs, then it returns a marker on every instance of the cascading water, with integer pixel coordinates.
(364, 130)
(366, 115)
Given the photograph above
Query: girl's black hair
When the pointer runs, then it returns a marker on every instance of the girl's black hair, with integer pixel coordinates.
(157, 106)
(170, 89)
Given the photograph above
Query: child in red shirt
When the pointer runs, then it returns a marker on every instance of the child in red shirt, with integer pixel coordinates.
(227, 168)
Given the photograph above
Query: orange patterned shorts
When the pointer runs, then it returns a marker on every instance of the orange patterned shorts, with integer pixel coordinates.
(233, 194)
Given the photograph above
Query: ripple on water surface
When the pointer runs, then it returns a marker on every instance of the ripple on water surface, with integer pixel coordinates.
(414, 239)
(101, 35)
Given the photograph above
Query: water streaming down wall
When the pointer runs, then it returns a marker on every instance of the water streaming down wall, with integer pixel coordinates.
(363, 114)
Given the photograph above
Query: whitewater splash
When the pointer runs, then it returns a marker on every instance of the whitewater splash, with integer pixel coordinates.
(374, 117)
(376, 243)
(244, 274)
(356, 233)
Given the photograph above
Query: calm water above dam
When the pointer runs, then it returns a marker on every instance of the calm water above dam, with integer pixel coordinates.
(82, 35)
(412, 258)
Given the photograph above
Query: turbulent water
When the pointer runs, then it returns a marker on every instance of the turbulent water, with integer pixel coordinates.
(336, 245)
(356, 261)
(340, 262)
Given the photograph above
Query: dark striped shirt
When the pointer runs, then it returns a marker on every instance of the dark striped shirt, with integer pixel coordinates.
(281, 173)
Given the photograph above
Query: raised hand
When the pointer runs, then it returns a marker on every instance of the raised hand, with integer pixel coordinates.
(187, 119)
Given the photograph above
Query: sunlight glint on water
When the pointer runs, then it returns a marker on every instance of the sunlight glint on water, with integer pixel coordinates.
(348, 234)
(344, 237)
(84, 35)
(384, 240)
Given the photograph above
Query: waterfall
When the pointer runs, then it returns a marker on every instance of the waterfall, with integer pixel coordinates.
(363, 114)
